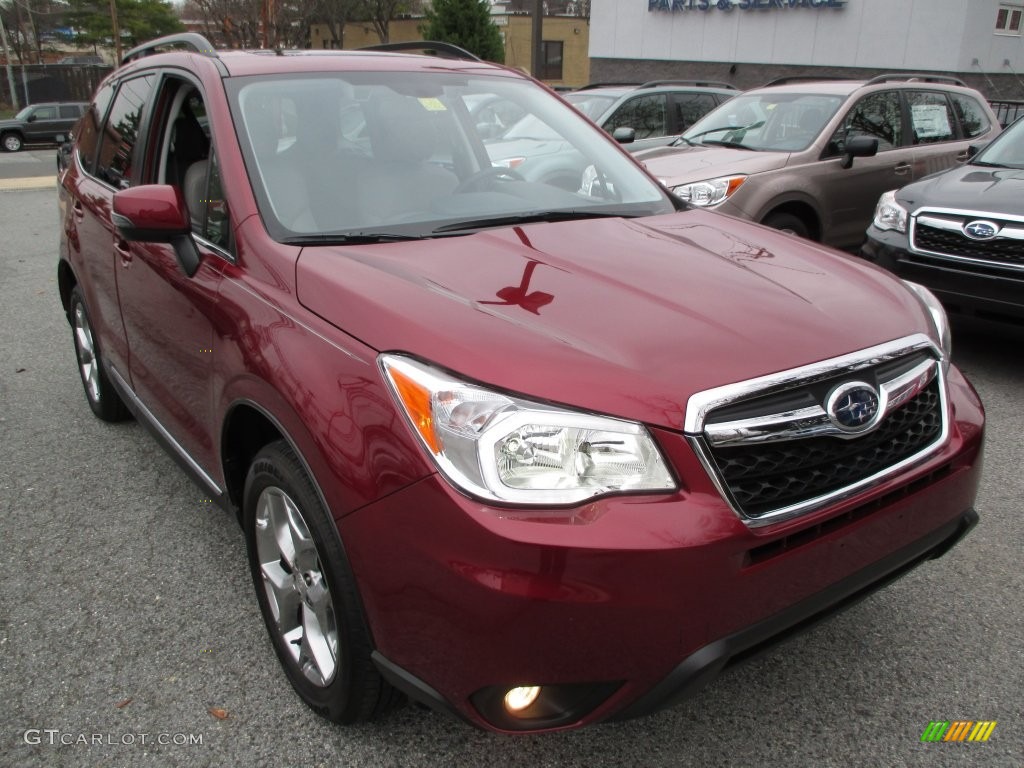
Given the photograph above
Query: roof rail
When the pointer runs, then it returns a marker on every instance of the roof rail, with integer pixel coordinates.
(697, 83)
(444, 50)
(591, 86)
(192, 40)
(804, 79)
(923, 77)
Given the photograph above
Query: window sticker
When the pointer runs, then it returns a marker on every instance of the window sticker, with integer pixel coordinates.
(930, 121)
(432, 105)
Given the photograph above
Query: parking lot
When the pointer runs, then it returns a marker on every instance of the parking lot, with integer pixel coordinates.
(129, 633)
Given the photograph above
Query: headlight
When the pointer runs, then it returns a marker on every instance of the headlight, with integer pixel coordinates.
(506, 449)
(943, 335)
(889, 214)
(710, 192)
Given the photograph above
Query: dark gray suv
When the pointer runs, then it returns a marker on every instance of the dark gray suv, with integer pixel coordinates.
(961, 233)
(40, 124)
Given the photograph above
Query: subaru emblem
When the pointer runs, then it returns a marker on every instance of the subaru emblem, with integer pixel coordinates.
(853, 407)
(981, 230)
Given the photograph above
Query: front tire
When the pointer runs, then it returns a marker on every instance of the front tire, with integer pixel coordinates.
(99, 392)
(307, 593)
(788, 223)
(12, 142)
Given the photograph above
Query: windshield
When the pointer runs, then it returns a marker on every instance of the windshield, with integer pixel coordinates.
(1007, 150)
(399, 154)
(23, 115)
(591, 104)
(766, 122)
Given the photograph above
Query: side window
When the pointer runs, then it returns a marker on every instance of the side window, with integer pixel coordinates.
(972, 117)
(688, 108)
(69, 112)
(117, 146)
(89, 127)
(45, 113)
(877, 116)
(644, 114)
(931, 117)
(189, 162)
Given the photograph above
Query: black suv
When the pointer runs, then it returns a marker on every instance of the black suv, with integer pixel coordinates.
(40, 124)
(961, 232)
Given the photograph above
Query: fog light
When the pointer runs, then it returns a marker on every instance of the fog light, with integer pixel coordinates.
(518, 699)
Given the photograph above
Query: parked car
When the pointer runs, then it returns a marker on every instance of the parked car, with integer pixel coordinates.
(39, 124)
(651, 114)
(812, 157)
(638, 117)
(961, 232)
(85, 58)
(534, 457)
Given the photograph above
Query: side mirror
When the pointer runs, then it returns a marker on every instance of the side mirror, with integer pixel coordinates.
(156, 213)
(974, 149)
(859, 146)
(31, 118)
(624, 134)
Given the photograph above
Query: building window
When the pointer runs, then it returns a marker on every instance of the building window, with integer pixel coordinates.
(551, 55)
(1008, 19)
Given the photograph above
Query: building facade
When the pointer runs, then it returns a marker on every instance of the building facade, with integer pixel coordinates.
(566, 43)
(749, 42)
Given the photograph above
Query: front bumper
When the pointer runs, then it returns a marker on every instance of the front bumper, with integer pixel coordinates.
(644, 599)
(988, 293)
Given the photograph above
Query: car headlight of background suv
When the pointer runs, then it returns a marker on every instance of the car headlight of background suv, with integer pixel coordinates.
(889, 214)
(506, 449)
(710, 192)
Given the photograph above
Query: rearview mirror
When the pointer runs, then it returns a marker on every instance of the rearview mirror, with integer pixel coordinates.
(156, 213)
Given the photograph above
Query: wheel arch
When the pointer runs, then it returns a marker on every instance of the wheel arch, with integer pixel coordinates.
(66, 282)
(802, 209)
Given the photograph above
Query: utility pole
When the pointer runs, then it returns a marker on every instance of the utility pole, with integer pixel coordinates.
(117, 32)
(10, 73)
(537, 38)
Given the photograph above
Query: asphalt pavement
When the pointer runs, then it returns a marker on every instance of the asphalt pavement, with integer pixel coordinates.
(130, 634)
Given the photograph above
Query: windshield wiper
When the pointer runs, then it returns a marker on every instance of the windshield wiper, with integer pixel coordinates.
(528, 218)
(729, 144)
(722, 128)
(349, 238)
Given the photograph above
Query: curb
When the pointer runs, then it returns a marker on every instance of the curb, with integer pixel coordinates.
(38, 182)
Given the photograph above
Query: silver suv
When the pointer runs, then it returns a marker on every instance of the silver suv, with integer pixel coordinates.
(651, 114)
(812, 157)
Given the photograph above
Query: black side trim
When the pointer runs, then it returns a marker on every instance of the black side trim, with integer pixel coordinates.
(414, 688)
(704, 665)
(176, 452)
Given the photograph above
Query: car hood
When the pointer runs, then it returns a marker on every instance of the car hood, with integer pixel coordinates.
(970, 187)
(11, 123)
(680, 165)
(625, 317)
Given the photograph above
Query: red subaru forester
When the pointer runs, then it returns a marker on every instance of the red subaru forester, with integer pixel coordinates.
(536, 451)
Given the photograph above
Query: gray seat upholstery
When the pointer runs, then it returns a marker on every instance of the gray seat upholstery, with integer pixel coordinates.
(401, 182)
(194, 190)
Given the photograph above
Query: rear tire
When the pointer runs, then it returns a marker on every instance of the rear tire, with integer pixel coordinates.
(788, 223)
(99, 392)
(307, 593)
(12, 142)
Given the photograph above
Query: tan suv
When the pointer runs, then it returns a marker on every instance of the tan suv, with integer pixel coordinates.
(812, 157)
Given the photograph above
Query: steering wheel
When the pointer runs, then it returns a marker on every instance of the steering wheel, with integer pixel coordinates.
(475, 182)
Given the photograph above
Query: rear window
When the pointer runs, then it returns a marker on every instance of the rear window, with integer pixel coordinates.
(931, 117)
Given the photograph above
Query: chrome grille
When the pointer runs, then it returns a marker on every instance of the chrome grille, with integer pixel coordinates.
(940, 232)
(775, 451)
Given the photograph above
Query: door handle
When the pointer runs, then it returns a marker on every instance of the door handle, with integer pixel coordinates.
(902, 169)
(124, 251)
(79, 210)
(963, 157)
